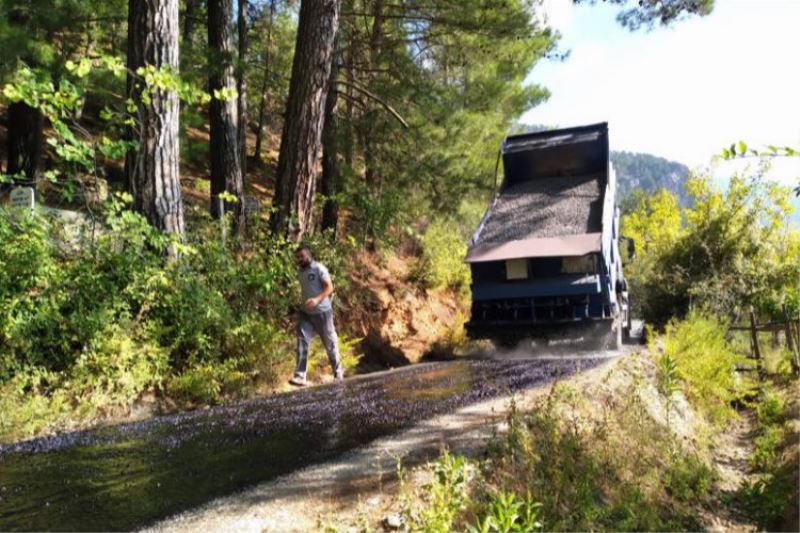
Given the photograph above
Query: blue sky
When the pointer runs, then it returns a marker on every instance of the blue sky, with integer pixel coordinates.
(681, 92)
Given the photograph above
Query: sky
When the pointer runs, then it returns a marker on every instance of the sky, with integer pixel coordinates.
(682, 92)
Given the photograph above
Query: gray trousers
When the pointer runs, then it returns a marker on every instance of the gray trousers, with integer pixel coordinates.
(321, 324)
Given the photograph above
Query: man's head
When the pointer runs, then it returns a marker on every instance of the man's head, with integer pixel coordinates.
(303, 256)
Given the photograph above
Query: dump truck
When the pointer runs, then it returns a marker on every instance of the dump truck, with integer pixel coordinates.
(545, 259)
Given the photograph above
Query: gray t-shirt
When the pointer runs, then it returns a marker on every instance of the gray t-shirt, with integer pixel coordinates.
(311, 279)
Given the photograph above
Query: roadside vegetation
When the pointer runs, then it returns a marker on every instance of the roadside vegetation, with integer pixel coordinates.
(640, 452)
(86, 328)
(636, 452)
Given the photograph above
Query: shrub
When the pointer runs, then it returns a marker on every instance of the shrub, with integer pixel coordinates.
(704, 362)
(766, 499)
(444, 498)
(116, 370)
(442, 262)
(687, 478)
(90, 325)
(506, 512)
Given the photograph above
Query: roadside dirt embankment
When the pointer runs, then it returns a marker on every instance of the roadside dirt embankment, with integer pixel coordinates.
(400, 321)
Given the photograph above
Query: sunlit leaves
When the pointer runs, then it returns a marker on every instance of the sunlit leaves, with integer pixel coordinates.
(226, 94)
(740, 149)
(731, 249)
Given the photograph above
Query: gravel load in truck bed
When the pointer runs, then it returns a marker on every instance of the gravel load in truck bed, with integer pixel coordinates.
(546, 207)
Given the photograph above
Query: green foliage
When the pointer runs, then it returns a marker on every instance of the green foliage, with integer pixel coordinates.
(444, 246)
(442, 261)
(667, 375)
(704, 362)
(731, 250)
(112, 373)
(90, 327)
(765, 452)
(764, 500)
(741, 150)
(458, 82)
(771, 412)
(569, 462)
(506, 513)
(687, 478)
(62, 98)
(435, 508)
(648, 13)
(667, 381)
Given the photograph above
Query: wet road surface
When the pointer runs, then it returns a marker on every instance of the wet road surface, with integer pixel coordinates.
(131, 475)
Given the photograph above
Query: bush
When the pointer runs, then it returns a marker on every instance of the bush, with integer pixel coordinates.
(506, 512)
(116, 370)
(765, 500)
(687, 478)
(558, 468)
(703, 361)
(442, 262)
(444, 246)
(442, 500)
(89, 326)
(730, 251)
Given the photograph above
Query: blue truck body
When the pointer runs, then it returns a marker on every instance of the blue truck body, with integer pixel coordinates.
(546, 255)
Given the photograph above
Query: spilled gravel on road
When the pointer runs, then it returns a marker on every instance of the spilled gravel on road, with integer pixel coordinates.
(133, 474)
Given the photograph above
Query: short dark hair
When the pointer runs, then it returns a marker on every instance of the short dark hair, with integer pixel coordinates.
(302, 247)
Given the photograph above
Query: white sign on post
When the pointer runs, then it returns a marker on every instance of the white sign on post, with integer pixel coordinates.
(22, 197)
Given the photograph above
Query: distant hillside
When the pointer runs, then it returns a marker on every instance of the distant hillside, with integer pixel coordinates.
(635, 170)
(649, 173)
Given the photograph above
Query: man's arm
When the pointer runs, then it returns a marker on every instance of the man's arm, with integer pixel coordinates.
(327, 290)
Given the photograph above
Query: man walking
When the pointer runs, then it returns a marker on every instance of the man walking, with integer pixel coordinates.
(316, 315)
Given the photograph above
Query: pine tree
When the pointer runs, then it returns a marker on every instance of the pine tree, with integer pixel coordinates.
(302, 132)
(241, 84)
(226, 170)
(331, 182)
(152, 170)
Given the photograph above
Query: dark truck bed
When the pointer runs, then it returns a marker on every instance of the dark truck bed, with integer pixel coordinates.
(546, 251)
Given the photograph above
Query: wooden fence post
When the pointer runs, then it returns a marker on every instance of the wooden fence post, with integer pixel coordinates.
(754, 340)
(222, 219)
(790, 342)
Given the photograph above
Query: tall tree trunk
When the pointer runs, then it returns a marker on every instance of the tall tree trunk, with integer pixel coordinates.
(330, 148)
(241, 85)
(302, 130)
(24, 141)
(368, 132)
(188, 22)
(349, 134)
(226, 170)
(262, 106)
(152, 170)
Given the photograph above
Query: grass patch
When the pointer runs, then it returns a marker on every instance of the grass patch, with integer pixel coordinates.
(695, 353)
(579, 460)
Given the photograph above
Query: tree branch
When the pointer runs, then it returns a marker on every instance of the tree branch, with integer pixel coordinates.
(378, 99)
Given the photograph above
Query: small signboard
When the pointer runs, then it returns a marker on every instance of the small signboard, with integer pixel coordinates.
(22, 197)
(251, 205)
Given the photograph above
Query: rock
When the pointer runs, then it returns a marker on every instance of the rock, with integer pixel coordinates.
(95, 190)
(393, 522)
